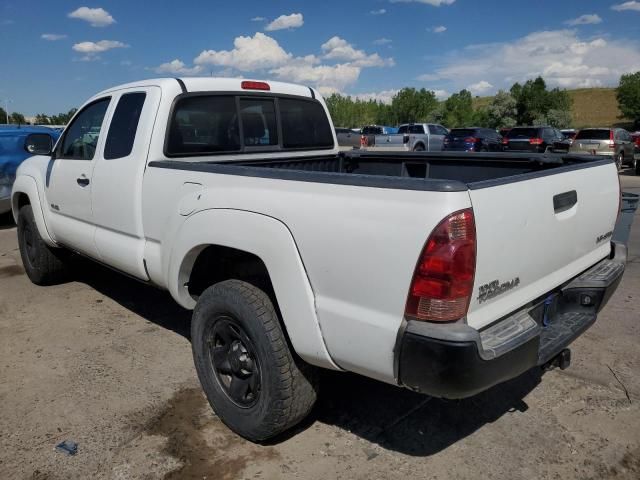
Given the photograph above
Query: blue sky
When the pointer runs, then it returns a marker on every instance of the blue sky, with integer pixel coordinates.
(57, 53)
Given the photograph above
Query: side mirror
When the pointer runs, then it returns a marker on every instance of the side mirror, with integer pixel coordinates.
(38, 144)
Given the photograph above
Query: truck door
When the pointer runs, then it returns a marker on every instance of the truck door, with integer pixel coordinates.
(117, 180)
(436, 137)
(69, 176)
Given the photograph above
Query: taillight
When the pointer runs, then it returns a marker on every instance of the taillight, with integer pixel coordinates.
(536, 141)
(442, 283)
(505, 141)
(446, 140)
(363, 141)
(612, 141)
(470, 140)
(251, 85)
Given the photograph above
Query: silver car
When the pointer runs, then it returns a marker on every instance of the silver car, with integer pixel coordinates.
(612, 142)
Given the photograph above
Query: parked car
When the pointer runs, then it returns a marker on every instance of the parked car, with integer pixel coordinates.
(611, 142)
(569, 134)
(16, 144)
(535, 139)
(473, 139)
(347, 137)
(368, 134)
(250, 216)
(413, 137)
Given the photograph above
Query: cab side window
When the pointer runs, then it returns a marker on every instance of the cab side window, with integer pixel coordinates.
(122, 132)
(81, 137)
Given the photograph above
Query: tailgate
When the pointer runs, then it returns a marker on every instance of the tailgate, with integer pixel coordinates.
(591, 146)
(535, 234)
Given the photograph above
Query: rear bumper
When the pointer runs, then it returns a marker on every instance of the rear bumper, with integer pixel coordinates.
(457, 361)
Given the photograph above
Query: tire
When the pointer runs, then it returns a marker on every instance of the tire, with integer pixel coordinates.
(636, 166)
(237, 340)
(619, 161)
(418, 148)
(44, 265)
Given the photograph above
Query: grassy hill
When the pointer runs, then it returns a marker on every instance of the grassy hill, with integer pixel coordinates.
(592, 107)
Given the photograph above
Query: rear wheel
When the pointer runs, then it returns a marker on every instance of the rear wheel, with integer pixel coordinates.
(619, 161)
(253, 382)
(44, 265)
(636, 166)
(418, 148)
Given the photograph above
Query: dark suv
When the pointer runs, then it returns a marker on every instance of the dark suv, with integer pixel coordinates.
(472, 139)
(535, 140)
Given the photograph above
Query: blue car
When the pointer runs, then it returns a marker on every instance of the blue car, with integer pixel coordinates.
(18, 143)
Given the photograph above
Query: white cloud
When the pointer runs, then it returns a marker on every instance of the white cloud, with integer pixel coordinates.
(384, 96)
(435, 3)
(438, 29)
(97, 17)
(258, 19)
(441, 94)
(295, 20)
(382, 41)
(561, 57)
(381, 11)
(587, 19)
(52, 37)
(331, 78)
(177, 67)
(337, 48)
(633, 5)
(92, 48)
(249, 54)
(480, 87)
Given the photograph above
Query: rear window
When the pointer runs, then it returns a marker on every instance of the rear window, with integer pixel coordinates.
(304, 124)
(259, 127)
(593, 134)
(462, 132)
(522, 133)
(372, 130)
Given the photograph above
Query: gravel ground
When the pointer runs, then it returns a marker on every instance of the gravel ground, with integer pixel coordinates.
(106, 362)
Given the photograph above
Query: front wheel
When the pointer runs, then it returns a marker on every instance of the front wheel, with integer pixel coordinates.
(253, 382)
(44, 265)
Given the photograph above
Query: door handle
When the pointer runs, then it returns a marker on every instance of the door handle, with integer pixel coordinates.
(564, 201)
(83, 181)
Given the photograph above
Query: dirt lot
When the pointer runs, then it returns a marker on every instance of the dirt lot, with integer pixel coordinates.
(106, 362)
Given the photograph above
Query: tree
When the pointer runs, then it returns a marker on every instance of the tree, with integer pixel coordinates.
(62, 118)
(458, 110)
(534, 101)
(3, 115)
(502, 111)
(555, 118)
(42, 119)
(17, 118)
(411, 105)
(628, 95)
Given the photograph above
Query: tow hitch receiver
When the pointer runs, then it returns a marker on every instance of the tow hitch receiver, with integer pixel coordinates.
(562, 361)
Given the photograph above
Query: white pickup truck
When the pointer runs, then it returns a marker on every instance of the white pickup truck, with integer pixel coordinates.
(442, 273)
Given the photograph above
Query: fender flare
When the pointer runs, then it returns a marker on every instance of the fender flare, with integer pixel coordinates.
(271, 241)
(27, 185)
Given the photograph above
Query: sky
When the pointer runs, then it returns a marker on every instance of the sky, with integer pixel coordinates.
(54, 54)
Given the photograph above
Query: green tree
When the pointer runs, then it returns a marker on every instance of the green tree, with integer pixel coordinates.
(555, 118)
(3, 115)
(62, 118)
(17, 118)
(411, 105)
(42, 119)
(502, 111)
(628, 95)
(534, 101)
(458, 110)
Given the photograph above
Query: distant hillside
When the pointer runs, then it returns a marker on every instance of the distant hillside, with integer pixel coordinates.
(592, 107)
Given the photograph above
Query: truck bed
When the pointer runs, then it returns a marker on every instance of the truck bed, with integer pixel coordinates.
(441, 171)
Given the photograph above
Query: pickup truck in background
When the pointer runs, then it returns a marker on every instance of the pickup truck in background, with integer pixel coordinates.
(368, 134)
(232, 195)
(413, 137)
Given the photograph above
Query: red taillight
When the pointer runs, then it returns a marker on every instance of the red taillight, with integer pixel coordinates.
(363, 141)
(470, 140)
(442, 283)
(612, 141)
(251, 85)
(536, 141)
(505, 141)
